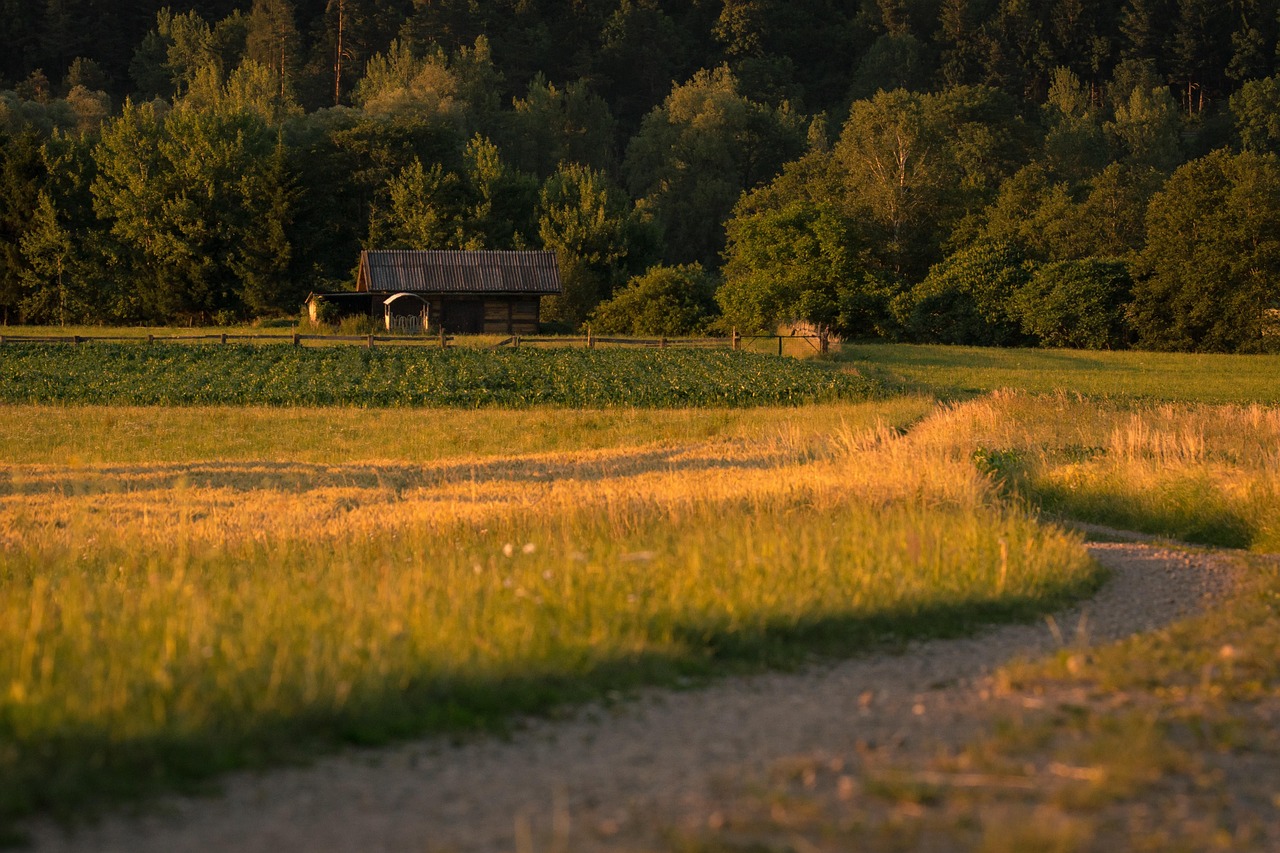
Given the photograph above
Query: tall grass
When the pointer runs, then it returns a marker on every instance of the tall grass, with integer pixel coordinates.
(159, 623)
(1202, 473)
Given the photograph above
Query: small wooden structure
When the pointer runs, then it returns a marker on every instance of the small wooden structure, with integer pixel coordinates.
(480, 292)
(406, 313)
(326, 307)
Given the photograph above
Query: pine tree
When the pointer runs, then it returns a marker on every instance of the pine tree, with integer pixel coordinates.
(273, 40)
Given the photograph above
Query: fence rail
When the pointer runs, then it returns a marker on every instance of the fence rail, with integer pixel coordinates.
(442, 340)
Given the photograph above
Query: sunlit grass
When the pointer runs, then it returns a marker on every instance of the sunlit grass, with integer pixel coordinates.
(966, 371)
(84, 435)
(1163, 741)
(1202, 473)
(162, 621)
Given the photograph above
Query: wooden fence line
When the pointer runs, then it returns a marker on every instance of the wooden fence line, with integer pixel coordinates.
(442, 340)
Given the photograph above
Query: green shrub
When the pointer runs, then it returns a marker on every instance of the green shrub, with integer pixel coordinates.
(663, 301)
(1077, 304)
(966, 298)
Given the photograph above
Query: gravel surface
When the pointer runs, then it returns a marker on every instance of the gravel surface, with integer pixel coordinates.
(609, 777)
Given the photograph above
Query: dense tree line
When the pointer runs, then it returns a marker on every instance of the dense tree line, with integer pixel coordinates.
(1056, 172)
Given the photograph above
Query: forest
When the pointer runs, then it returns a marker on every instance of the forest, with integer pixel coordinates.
(1062, 173)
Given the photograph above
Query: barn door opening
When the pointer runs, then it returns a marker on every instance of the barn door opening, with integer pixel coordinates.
(463, 317)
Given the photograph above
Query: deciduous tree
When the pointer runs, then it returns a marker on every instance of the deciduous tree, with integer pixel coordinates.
(1209, 272)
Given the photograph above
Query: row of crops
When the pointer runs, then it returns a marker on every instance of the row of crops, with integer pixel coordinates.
(124, 374)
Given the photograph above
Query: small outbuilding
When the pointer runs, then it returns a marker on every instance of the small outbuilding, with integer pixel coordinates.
(480, 292)
(477, 292)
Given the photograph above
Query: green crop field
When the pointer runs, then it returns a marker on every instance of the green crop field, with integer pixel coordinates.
(185, 374)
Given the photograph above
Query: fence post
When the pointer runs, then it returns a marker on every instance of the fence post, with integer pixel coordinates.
(224, 337)
(151, 339)
(733, 339)
(371, 340)
(779, 344)
(591, 344)
(515, 343)
(443, 344)
(824, 341)
(297, 339)
(662, 344)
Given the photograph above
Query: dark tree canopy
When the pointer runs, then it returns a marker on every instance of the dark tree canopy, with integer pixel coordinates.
(884, 168)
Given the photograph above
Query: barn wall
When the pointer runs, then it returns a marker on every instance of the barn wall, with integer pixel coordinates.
(502, 315)
(511, 315)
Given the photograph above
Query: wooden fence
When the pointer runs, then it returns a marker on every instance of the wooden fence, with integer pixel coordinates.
(441, 340)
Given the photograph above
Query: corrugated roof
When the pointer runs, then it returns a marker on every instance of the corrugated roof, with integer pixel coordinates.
(460, 272)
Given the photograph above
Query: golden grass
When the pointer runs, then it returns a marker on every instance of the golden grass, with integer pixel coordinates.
(1201, 472)
(93, 435)
(162, 619)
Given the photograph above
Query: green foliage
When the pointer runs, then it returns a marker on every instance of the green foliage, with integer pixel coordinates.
(802, 262)
(550, 126)
(1076, 304)
(1053, 220)
(22, 171)
(586, 220)
(272, 41)
(458, 89)
(200, 199)
(111, 374)
(1208, 276)
(968, 298)
(916, 164)
(892, 62)
(1148, 129)
(663, 301)
(1048, 126)
(425, 210)
(695, 154)
(1256, 109)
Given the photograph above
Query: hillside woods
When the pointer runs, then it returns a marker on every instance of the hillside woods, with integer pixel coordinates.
(1061, 172)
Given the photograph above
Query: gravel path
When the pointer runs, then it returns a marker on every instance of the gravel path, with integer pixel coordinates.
(607, 776)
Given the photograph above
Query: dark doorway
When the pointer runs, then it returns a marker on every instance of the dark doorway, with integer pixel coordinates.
(465, 318)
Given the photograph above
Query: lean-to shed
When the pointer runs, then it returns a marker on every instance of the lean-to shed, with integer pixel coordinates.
(480, 292)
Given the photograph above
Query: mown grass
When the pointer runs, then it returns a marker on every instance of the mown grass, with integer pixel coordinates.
(185, 374)
(163, 622)
(89, 435)
(963, 372)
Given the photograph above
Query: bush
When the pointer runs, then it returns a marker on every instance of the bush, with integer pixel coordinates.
(1077, 304)
(664, 301)
(966, 298)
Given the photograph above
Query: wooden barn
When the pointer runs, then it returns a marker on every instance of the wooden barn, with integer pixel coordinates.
(481, 292)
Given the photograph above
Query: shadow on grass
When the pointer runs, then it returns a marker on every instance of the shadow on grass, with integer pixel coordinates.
(301, 477)
(72, 774)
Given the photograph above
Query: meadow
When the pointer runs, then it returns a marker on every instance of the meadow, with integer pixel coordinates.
(187, 590)
(963, 372)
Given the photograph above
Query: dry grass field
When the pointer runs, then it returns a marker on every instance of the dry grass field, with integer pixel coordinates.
(167, 618)
(187, 591)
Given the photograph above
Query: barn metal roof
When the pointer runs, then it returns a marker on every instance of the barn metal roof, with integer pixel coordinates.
(460, 272)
